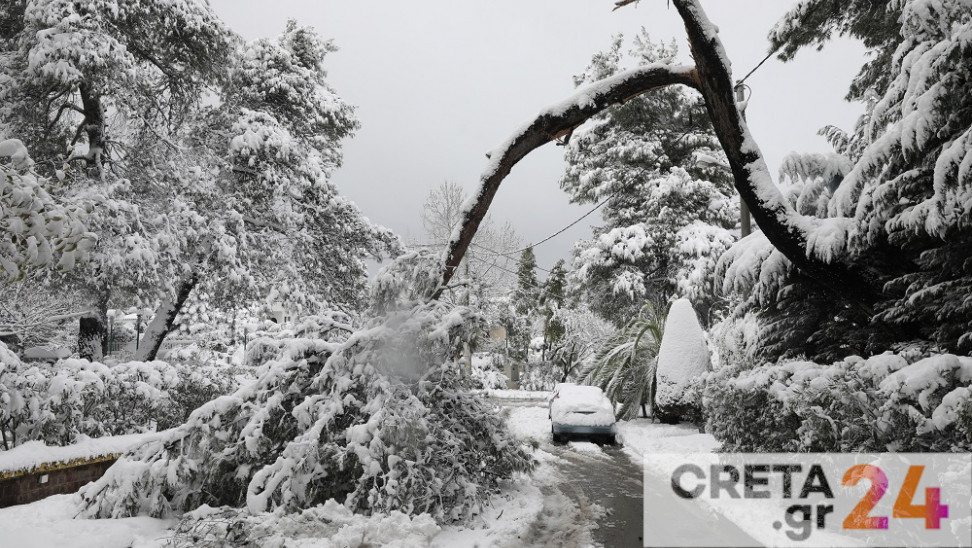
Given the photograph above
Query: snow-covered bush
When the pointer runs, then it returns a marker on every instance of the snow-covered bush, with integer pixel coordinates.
(196, 385)
(683, 357)
(882, 403)
(540, 376)
(485, 373)
(57, 402)
(380, 420)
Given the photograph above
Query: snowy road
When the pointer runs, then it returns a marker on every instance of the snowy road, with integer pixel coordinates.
(594, 494)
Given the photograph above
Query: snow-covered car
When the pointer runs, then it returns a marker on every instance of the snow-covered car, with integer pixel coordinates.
(581, 411)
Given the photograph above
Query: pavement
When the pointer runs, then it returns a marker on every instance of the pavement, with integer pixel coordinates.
(595, 496)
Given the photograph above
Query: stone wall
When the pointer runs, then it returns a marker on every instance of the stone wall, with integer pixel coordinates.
(51, 480)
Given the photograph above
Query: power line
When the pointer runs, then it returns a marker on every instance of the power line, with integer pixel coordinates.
(562, 230)
(750, 73)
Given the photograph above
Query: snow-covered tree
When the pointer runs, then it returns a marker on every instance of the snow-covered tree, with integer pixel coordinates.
(553, 297)
(582, 333)
(666, 216)
(898, 216)
(625, 364)
(378, 418)
(526, 293)
(683, 359)
(206, 159)
(36, 231)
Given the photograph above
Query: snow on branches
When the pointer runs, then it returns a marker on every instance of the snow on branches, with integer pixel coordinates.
(35, 230)
(379, 419)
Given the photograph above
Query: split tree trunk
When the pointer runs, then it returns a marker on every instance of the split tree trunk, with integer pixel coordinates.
(774, 215)
(161, 325)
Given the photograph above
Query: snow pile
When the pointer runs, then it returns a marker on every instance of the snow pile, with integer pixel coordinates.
(330, 525)
(51, 522)
(879, 404)
(520, 395)
(581, 406)
(683, 356)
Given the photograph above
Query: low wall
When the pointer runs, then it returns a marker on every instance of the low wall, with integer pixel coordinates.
(32, 470)
(55, 479)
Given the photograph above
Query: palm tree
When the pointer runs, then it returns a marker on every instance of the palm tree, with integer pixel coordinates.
(624, 368)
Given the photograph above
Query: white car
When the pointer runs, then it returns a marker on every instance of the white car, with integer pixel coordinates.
(581, 411)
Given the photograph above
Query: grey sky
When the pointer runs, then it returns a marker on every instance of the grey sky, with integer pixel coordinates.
(440, 82)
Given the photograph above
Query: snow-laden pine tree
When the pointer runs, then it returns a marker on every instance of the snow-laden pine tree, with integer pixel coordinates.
(667, 216)
(206, 160)
(902, 213)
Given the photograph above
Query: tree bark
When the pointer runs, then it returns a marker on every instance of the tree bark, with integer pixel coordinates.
(165, 316)
(93, 329)
(774, 215)
(94, 124)
(90, 330)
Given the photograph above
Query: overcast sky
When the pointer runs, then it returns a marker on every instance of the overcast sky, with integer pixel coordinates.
(438, 83)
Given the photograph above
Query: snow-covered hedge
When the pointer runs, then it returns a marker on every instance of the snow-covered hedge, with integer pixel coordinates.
(373, 421)
(683, 357)
(883, 403)
(55, 403)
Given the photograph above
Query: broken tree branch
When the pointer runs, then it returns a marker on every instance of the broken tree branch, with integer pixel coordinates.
(551, 123)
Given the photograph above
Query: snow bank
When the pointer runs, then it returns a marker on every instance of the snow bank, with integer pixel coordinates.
(526, 395)
(32, 454)
(50, 522)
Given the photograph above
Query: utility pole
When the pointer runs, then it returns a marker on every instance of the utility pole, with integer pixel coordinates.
(745, 225)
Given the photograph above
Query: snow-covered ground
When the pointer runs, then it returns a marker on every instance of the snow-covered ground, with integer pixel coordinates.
(533, 511)
(50, 523)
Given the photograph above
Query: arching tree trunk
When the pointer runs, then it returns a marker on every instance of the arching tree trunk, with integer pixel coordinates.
(786, 229)
(557, 121)
(783, 226)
